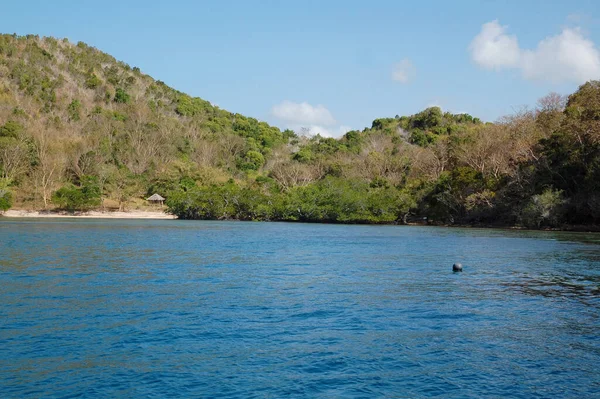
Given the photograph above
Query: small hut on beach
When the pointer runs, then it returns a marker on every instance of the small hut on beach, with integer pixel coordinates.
(155, 199)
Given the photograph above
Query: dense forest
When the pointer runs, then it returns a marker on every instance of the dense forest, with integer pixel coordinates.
(80, 130)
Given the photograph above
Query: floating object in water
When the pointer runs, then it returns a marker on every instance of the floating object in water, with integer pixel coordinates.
(457, 267)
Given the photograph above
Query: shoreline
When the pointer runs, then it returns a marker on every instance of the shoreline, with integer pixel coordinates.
(161, 215)
(15, 213)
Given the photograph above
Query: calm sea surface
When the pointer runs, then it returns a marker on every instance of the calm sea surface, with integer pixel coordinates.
(93, 308)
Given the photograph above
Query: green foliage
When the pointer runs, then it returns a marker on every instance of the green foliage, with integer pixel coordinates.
(353, 140)
(421, 138)
(304, 155)
(216, 202)
(261, 133)
(571, 156)
(253, 160)
(19, 112)
(11, 129)
(424, 128)
(5, 199)
(121, 96)
(331, 200)
(7, 47)
(188, 106)
(92, 81)
(74, 110)
(113, 75)
(427, 119)
(36, 82)
(288, 134)
(385, 124)
(84, 197)
(119, 116)
(481, 205)
(544, 210)
(454, 194)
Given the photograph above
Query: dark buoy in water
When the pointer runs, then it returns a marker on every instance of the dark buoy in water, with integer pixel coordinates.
(457, 267)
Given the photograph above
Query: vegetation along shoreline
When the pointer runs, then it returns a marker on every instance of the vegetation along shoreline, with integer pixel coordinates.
(81, 131)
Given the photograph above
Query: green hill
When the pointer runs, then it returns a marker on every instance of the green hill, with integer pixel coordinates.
(74, 111)
(81, 130)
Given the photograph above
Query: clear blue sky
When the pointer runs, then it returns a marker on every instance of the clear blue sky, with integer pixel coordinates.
(250, 56)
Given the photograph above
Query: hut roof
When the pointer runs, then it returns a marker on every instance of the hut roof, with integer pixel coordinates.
(155, 197)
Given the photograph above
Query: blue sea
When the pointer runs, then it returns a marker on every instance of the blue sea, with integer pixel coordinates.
(195, 309)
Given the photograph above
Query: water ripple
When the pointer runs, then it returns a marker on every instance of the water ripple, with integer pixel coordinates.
(253, 310)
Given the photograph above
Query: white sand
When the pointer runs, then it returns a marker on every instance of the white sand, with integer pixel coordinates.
(13, 213)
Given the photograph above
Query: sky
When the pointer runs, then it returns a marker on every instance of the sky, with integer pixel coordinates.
(332, 66)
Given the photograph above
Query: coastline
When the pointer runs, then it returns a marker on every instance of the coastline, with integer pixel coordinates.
(15, 213)
(160, 215)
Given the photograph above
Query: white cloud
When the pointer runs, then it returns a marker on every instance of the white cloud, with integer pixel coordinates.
(492, 48)
(323, 131)
(303, 114)
(306, 119)
(404, 71)
(566, 57)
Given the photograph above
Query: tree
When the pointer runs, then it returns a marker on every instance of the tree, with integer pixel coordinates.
(84, 197)
(5, 197)
(14, 158)
(253, 160)
(487, 150)
(122, 97)
(544, 210)
(427, 119)
(571, 156)
(122, 185)
(49, 162)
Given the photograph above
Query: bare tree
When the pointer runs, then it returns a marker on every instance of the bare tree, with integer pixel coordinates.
(145, 145)
(487, 150)
(431, 161)
(550, 113)
(50, 162)
(552, 102)
(13, 159)
(290, 174)
(81, 159)
(206, 153)
(523, 135)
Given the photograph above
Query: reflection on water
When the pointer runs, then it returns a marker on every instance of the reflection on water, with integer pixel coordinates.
(171, 308)
(561, 286)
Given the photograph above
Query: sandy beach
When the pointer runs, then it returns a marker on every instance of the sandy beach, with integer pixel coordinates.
(13, 213)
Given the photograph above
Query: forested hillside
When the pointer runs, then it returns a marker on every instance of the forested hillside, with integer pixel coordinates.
(81, 130)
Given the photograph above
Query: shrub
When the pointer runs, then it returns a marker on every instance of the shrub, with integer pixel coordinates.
(121, 96)
(71, 197)
(545, 209)
(5, 200)
(11, 129)
(253, 160)
(73, 110)
(92, 81)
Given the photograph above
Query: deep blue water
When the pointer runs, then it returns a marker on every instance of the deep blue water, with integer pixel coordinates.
(93, 308)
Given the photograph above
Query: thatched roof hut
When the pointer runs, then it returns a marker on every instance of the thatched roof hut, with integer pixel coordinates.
(155, 199)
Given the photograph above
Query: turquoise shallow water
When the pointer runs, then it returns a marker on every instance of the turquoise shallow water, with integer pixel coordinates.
(93, 308)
